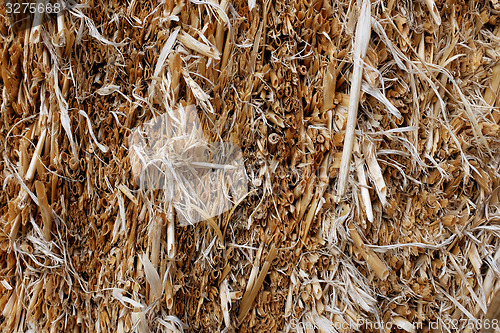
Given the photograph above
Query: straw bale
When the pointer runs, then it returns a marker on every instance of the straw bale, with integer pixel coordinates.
(335, 166)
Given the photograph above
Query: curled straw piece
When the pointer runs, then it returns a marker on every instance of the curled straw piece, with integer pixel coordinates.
(102, 147)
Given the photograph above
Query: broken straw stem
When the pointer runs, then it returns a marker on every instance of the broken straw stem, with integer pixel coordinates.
(363, 30)
(362, 179)
(170, 233)
(30, 174)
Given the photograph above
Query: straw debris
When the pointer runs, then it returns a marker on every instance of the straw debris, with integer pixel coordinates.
(323, 165)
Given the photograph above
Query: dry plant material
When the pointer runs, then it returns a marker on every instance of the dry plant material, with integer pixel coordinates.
(251, 293)
(362, 39)
(407, 90)
(493, 314)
